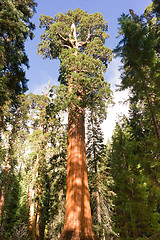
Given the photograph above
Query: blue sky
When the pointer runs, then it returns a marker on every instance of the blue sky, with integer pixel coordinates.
(43, 70)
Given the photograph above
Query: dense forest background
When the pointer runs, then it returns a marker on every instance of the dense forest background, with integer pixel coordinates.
(124, 174)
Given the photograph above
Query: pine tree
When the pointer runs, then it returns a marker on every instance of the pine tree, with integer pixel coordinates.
(140, 58)
(37, 167)
(13, 139)
(45, 164)
(136, 203)
(15, 27)
(135, 149)
(100, 181)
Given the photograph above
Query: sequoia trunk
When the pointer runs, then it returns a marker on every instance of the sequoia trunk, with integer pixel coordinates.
(78, 221)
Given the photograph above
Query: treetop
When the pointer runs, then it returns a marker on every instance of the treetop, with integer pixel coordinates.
(75, 29)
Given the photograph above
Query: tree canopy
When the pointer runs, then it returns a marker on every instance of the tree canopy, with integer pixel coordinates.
(15, 27)
(79, 45)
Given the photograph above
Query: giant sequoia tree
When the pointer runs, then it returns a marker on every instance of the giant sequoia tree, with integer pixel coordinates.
(77, 40)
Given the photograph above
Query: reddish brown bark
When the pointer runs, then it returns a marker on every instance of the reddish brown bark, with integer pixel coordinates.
(4, 186)
(33, 207)
(38, 210)
(78, 220)
(34, 214)
(37, 223)
(2, 195)
(31, 210)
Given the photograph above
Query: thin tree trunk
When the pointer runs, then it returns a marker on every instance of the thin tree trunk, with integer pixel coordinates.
(78, 220)
(33, 215)
(98, 211)
(2, 196)
(34, 212)
(31, 210)
(60, 212)
(155, 122)
(5, 185)
(96, 173)
(38, 210)
(37, 222)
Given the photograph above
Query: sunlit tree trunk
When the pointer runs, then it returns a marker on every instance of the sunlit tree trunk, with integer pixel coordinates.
(78, 221)
(31, 209)
(2, 195)
(34, 213)
(37, 220)
(74, 48)
(5, 183)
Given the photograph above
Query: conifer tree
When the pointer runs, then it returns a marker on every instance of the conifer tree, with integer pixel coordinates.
(13, 139)
(140, 71)
(100, 181)
(135, 149)
(45, 147)
(77, 40)
(37, 167)
(15, 27)
(136, 202)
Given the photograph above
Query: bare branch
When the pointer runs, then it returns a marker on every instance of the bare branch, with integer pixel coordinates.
(80, 44)
(89, 35)
(73, 30)
(64, 39)
(71, 43)
(68, 41)
(67, 46)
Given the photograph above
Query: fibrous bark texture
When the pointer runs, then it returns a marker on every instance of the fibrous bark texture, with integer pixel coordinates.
(30, 197)
(78, 220)
(2, 194)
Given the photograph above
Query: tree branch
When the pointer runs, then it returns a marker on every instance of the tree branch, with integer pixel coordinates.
(80, 44)
(67, 46)
(69, 43)
(64, 39)
(73, 42)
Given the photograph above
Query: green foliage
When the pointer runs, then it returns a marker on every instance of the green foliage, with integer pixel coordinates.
(77, 39)
(135, 147)
(124, 176)
(140, 70)
(79, 45)
(53, 45)
(57, 173)
(15, 27)
(15, 210)
(136, 206)
(45, 160)
(100, 181)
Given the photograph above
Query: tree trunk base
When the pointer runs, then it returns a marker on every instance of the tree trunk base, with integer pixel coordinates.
(73, 235)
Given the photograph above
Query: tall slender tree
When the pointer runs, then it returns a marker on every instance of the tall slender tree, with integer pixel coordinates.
(100, 181)
(135, 147)
(15, 27)
(135, 170)
(77, 40)
(13, 137)
(140, 57)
